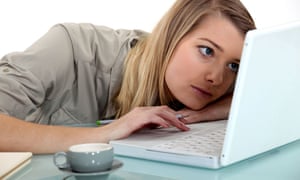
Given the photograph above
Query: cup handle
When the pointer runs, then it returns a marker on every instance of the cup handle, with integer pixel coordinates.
(61, 165)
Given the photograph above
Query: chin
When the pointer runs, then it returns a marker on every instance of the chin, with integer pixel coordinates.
(195, 106)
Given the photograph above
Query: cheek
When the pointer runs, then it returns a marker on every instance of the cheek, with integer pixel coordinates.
(177, 72)
(172, 74)
(175, 67)
(228, 84)
(179, 68)
(183, 62)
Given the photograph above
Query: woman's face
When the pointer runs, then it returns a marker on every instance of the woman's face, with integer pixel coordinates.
(205, 62)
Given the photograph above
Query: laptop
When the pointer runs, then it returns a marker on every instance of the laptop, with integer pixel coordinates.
(264, 113)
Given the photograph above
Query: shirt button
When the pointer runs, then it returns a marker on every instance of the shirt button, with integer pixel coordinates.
(133, 43)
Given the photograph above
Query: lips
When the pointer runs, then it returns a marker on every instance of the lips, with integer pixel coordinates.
(200, 92)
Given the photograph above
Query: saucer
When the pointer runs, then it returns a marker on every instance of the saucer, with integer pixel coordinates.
(115, 165)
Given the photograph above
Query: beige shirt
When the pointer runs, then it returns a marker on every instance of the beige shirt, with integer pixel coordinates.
(68, 76)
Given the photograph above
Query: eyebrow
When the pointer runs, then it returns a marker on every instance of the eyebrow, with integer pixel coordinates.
(217, 46)
(213, 43)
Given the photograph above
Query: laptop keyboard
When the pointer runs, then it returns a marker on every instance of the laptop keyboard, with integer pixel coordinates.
(205, 141)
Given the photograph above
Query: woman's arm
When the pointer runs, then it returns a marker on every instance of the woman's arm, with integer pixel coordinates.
(18, 135)
(218, 110)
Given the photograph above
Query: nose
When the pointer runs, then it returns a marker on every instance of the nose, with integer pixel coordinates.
(215, 75)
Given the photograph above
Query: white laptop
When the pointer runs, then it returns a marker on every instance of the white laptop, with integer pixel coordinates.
(264, 115)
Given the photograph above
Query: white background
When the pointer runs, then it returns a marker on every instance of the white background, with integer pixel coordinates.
(24, 21)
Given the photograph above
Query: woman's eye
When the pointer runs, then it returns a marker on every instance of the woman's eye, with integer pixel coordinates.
(234, 67)
(206, 51)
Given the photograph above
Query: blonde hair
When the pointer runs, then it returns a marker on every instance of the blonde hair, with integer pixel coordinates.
(145, 66)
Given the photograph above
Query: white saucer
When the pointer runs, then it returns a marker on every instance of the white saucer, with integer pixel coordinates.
(115, 165)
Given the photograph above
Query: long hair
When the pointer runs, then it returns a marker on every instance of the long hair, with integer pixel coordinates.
(145, 66)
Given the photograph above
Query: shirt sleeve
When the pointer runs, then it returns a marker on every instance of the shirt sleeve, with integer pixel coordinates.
(42, 72)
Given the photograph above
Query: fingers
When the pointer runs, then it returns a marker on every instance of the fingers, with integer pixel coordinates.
(209, 113)
(170, 116)
(190, 116)
(141, 117)
(218, 110)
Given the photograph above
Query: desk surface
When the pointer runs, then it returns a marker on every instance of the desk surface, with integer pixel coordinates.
(282, 163)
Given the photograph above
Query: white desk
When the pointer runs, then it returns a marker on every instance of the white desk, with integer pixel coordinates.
(280, 164)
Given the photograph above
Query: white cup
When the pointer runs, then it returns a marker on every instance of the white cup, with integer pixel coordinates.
(92, 157)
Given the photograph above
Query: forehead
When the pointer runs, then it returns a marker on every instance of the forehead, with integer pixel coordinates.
(216, 25)
(219, 30)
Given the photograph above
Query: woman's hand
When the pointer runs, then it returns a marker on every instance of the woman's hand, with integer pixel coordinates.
(142, 116)
(216, 111)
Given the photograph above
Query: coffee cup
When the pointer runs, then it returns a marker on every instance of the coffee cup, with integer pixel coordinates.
(85, 158)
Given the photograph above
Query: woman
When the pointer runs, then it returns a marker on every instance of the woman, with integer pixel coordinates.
(182, 72)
